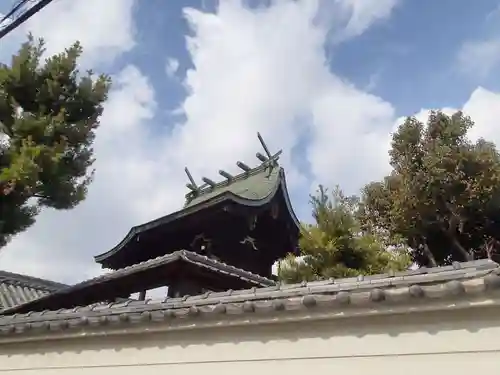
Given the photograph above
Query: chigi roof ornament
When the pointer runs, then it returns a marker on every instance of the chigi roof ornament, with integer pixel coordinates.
(268, 161)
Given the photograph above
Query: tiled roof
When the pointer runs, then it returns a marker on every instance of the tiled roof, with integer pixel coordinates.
(451, 283)
(17, 289)
(86, 289)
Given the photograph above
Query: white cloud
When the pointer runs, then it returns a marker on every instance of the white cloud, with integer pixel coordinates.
(104, 31)
(350, 134)
(262, 70)
(479, 58)
(360, 15)
(483, 107)
(172, 66)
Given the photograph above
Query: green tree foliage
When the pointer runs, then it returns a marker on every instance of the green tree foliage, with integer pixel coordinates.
(443, 194)
(48, 115)
(336, 246)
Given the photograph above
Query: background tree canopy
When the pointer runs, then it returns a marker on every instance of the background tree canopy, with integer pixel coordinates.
(443, 194)
(48, 116)
(439, 204)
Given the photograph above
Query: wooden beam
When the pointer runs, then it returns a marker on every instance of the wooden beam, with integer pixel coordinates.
(142, 295)
(191, 179)
(264, 146)
(226, 175)
(243, 166)
(273, 160)
(261, 157)
(209, 182)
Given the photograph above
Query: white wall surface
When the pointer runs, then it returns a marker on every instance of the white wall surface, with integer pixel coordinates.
(456, 342)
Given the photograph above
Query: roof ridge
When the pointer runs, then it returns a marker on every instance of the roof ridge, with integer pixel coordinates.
(185, 254)
(204, 258)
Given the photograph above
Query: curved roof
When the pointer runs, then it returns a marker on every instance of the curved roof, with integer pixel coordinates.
(256, 187)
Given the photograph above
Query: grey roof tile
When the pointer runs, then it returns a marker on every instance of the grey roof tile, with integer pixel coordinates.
(474, 278)
(16, 289)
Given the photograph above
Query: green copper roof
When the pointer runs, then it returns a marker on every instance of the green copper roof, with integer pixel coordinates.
(254, 185)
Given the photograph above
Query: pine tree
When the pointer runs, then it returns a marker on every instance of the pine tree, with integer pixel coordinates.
(336, 246)
(48, 115)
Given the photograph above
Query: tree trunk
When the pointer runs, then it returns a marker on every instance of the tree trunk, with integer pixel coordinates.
(454, 224)
(429, 255)
(449, 231)
(489, 247)
(458, 246)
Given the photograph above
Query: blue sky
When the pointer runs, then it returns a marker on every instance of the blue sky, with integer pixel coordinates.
(415, 53)
(326, 80)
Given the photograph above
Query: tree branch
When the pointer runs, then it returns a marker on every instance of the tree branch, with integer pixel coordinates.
(40, 196)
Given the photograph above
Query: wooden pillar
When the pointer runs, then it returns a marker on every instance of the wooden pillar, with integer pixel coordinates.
(142, 295)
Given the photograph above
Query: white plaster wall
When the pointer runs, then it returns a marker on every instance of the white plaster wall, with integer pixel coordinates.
(460, 342)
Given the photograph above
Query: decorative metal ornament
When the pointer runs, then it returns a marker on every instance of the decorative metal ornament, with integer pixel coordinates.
(250, 241)
(201, 243)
